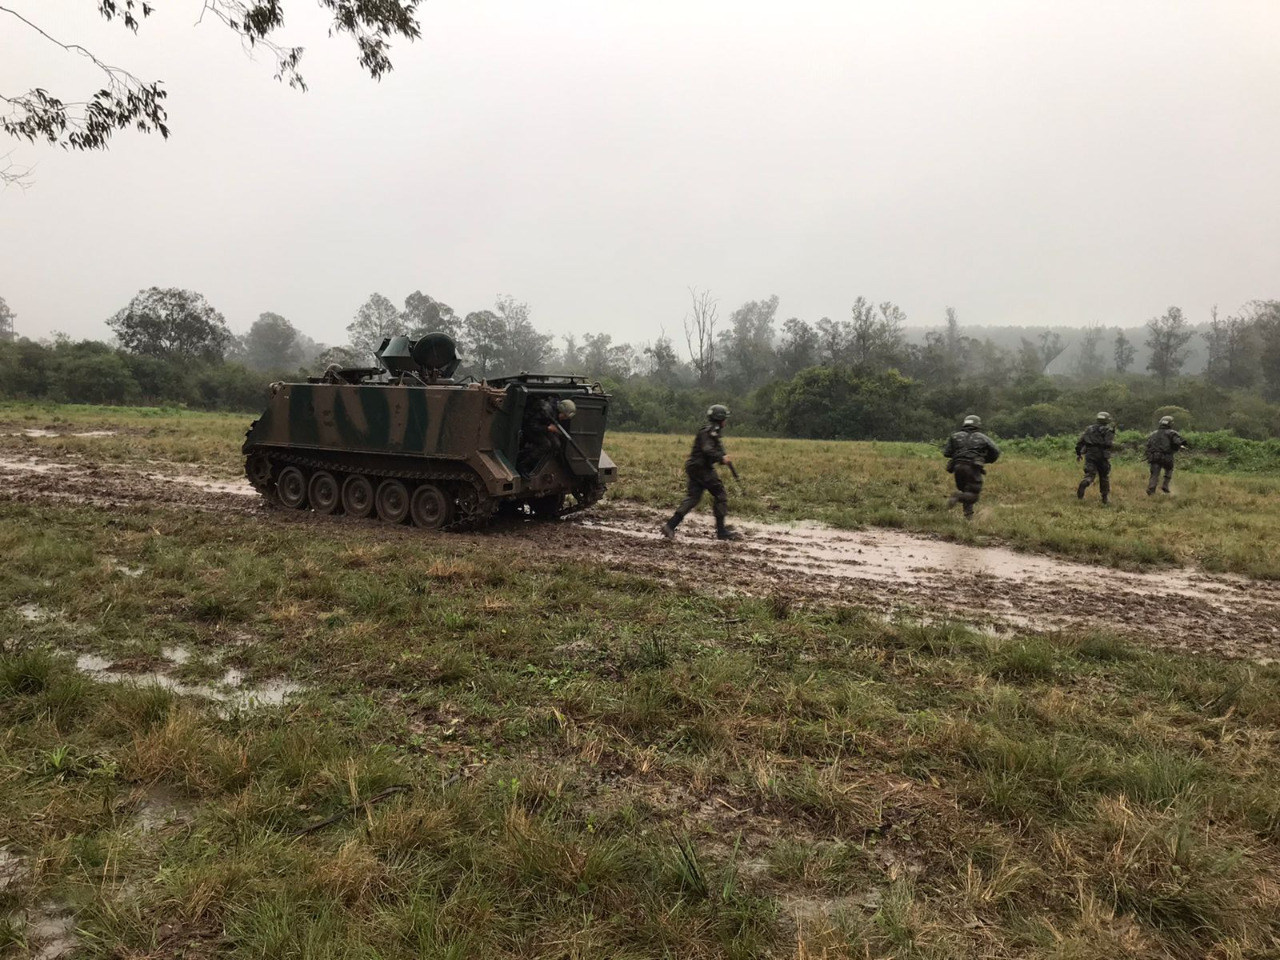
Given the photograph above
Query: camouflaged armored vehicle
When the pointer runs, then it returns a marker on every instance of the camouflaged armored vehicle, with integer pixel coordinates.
(406, 441)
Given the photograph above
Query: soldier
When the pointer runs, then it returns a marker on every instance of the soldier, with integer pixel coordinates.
(967, 452)
(540, 431)
(701, 470)
(1162, 443)
(1095, 446)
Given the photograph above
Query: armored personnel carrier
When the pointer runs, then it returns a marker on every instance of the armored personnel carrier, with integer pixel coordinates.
(406, 441)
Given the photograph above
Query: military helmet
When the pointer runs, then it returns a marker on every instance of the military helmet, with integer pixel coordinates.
(566, 408)
(1166, 421)
(972, 423)
(717, 413)
(1104, 417)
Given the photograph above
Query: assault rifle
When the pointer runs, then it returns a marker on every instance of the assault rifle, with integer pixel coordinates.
(576, 449)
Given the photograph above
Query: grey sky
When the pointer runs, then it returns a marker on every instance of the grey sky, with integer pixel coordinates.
(1025, 162)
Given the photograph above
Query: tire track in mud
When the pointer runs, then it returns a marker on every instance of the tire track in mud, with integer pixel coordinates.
(886, 571)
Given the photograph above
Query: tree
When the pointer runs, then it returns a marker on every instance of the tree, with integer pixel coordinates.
(571, 355)
(601, 357)
(271, 343)
(799, 348)
(833, 342)
(172, 324)
(376, 320)
(664, 364)
(424, 314)
(1167, 337)
(520, 346)
(1234, 352)
(700, 335)
(1051, 347)
(1124, 353)
(484, 337)
(338, 356)
(746, 347)
(1090, 363)
(875, 335)
(7, 317)
(124, 101)
(1265, 315)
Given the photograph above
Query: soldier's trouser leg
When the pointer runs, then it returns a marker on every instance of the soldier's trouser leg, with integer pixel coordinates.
(1104, 478)
(693, 494)
(969, 483)
(1165, 464)
(1090, 471)
(720, 496)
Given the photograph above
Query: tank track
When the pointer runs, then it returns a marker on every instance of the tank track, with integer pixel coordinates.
(486, 506)
(482, 514)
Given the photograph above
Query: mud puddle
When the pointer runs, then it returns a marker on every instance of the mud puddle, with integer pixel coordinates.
(38, 432)
(890, 556)
(994, 588)
(230, 692)
(888, 572)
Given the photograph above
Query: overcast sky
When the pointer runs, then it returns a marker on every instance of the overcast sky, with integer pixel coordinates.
(1027, 163)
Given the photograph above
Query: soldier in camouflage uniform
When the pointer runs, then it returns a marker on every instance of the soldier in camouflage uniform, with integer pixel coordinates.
(539, 432)
(967, 452)
(708, 451)
(1094, 446)
(1162, 444)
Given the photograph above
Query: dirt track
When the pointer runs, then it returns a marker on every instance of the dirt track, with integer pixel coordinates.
(886, 571)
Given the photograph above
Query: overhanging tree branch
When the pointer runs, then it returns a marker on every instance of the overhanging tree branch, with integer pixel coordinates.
(127, 102)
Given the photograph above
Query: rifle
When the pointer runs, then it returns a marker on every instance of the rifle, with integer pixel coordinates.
(734, 470)
(576, 449)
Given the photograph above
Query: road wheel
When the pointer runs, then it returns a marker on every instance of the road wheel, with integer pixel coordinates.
(392, 501)
(472, 506)
(429, 507)
(323, 492)
(258, 469)
(291, 487)
(357, 496)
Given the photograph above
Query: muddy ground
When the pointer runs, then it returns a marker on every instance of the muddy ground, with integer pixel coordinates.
(886, 571)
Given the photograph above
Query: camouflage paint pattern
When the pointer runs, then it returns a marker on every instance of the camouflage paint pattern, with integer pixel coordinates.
(434, 427)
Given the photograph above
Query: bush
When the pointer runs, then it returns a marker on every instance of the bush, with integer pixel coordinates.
(1037, 420)
(1182, 418)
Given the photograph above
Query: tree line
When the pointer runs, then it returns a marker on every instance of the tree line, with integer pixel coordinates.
(867, 376)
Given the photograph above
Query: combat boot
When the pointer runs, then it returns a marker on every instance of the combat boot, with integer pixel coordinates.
(669, 530)
(1084, 485)
(727, 533)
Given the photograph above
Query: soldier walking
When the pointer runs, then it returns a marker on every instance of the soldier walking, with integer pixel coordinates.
(968, 451)
(1094, 446)
(1162, 443)
(708, 451)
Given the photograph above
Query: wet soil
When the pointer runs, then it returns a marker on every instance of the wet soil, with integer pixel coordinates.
(889, 572)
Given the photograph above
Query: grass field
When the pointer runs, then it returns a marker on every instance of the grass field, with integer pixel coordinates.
(1217, 519)
(576, 763)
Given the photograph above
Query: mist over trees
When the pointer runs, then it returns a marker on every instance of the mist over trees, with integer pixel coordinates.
(868, 373)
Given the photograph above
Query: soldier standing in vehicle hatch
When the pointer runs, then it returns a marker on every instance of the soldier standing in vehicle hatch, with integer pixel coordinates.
(1094, 446)
(1162, 444)
(968, 451)
(708, 451)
